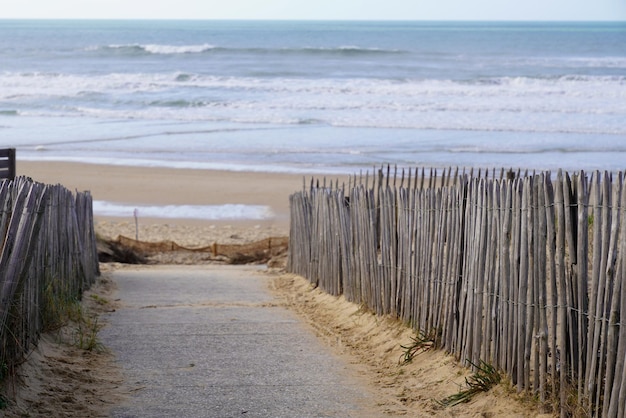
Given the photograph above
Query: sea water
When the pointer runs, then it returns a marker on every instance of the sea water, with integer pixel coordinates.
(315, 97)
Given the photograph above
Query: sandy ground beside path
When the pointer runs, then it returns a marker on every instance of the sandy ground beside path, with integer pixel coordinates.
(64, 380)
(375, 343)
(59, 379)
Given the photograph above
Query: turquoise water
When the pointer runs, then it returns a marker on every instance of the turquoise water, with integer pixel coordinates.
(315, 97)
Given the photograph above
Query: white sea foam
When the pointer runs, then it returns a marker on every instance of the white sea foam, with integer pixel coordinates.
(177, 49)
(584, 62)
(584, 104)
(20, 85)
(207, 212)
(162, 49)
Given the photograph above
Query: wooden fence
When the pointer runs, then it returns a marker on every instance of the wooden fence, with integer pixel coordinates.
(522, 272)
(47, 254)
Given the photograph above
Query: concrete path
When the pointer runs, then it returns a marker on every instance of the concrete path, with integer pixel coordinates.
(209, 341)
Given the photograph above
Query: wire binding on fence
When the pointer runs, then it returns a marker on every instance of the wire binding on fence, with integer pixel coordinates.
(491, 264)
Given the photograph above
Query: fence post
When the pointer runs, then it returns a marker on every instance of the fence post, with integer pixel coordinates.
(7, 163)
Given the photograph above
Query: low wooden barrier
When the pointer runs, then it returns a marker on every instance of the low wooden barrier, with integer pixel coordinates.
(525, 272)
(48, 256)
(257, 251)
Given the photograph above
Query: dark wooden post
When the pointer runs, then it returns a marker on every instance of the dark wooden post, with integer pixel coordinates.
(7, 163)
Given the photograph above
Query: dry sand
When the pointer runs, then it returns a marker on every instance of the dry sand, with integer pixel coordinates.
(374, 344)
(63, 379)
(59, 379)
(163, 186)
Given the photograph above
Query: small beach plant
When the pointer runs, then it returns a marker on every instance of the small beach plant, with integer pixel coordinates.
(483, 380)
(59, 306)
(421, 342)
(61, 309)
(86, 333)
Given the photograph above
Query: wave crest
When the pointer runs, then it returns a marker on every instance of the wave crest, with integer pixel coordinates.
(344, 50)
(147, 49)
(158, 49)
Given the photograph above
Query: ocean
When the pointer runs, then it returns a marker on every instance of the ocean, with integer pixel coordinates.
(315, 97)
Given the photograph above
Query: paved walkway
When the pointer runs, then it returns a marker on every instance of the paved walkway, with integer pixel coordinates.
(209, 341)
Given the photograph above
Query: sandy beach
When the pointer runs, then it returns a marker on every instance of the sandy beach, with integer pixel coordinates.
(162, 186)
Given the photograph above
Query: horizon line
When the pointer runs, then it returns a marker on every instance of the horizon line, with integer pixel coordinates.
(181, 19)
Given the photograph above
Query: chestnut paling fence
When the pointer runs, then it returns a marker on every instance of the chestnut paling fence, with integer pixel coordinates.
(523, 272)
(47, 256)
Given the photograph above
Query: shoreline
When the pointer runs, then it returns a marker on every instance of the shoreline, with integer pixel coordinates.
(172, 186)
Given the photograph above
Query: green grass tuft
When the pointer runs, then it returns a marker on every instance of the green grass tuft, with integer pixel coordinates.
(59, 307)
(86, 334)
(60, 310)
(420, 342)
(485, 378)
